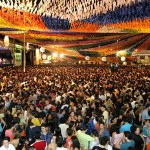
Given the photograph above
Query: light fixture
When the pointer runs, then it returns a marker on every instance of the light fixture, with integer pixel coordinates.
(124, 63)
(49, 57)
(87, 58)
(6, 41)
(104, 59)
(44, 56)
(55, 54)
(27, 46)
(61, 55)
(42, 49)
(123, 58)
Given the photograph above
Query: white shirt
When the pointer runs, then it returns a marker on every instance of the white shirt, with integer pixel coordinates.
(63, 128)
(105, 114)
(108, 147)
(11, 147)
(61, 148)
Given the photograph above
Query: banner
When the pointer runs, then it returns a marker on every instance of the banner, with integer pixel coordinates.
(18, 55)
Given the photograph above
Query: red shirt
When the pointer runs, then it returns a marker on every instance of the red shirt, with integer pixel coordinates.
(39, 145)
(68, 142)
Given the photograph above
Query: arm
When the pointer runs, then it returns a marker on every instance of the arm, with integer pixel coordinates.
(117, 145)
(143, 141)
(4, 123)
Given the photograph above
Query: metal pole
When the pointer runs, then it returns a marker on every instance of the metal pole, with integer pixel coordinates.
(24, 55)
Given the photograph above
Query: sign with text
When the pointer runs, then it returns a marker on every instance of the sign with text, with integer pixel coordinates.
(18, 55)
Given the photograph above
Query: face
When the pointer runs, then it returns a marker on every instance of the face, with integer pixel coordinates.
(137, 131)
(6, 144)
(102, 108)
(72, 113)
(101, 126)
(79, 118)
(53, 139)
(43, 129)
(115, 120)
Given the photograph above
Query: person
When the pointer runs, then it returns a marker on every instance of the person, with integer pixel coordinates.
(104, 144)
(103, 131)
(84, 138)
(126, 126)
(38, 144)
(52, 145)
(75, 143)
(105, 114)
(22, 144)
(33, 129)
(137, 137)
(145, 114)
(45, 135)
(10, 132)
(96, 139)
(68, 143)
(6, 145)
(63, 126)
(126, 140)
(59, 142)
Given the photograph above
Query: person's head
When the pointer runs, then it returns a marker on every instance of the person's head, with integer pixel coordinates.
(47, 102)
(59, 141)
(148, 106)
(135, 129)
(84, 128)
(43, 127)
(6, 142)
(69, 131)
(71, 124)
(37, 135)
(104, 140)
(114, 120)
(103, 108)
(32, 107)
(102, 125)
(94, 133)
(57, 131)
(38, 108)
(22, 140)
(127, 135)
(75, 142)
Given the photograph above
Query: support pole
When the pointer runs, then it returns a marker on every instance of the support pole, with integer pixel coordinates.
(24, 54)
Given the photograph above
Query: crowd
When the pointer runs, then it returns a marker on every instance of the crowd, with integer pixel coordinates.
(74, 107)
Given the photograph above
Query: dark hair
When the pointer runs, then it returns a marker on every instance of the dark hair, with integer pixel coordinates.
(128, 135)
(37, 135)
(69, 131)
(84, 127)
(6, 138)
(75, 142)
(58, 131)
(103, 140)
(95, 133)
(59, 141)
(62, 120)
(71, 124)
(133, 129)
(44, 125)
(98, 148)
(22, 141)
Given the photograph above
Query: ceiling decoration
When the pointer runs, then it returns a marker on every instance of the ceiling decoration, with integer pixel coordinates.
(78, 27)
(76, 15)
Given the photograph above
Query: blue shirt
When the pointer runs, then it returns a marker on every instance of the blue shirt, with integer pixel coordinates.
(47, 138)
(126, 145)
(125, 127)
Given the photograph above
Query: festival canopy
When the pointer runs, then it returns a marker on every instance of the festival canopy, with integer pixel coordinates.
(79, 27)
